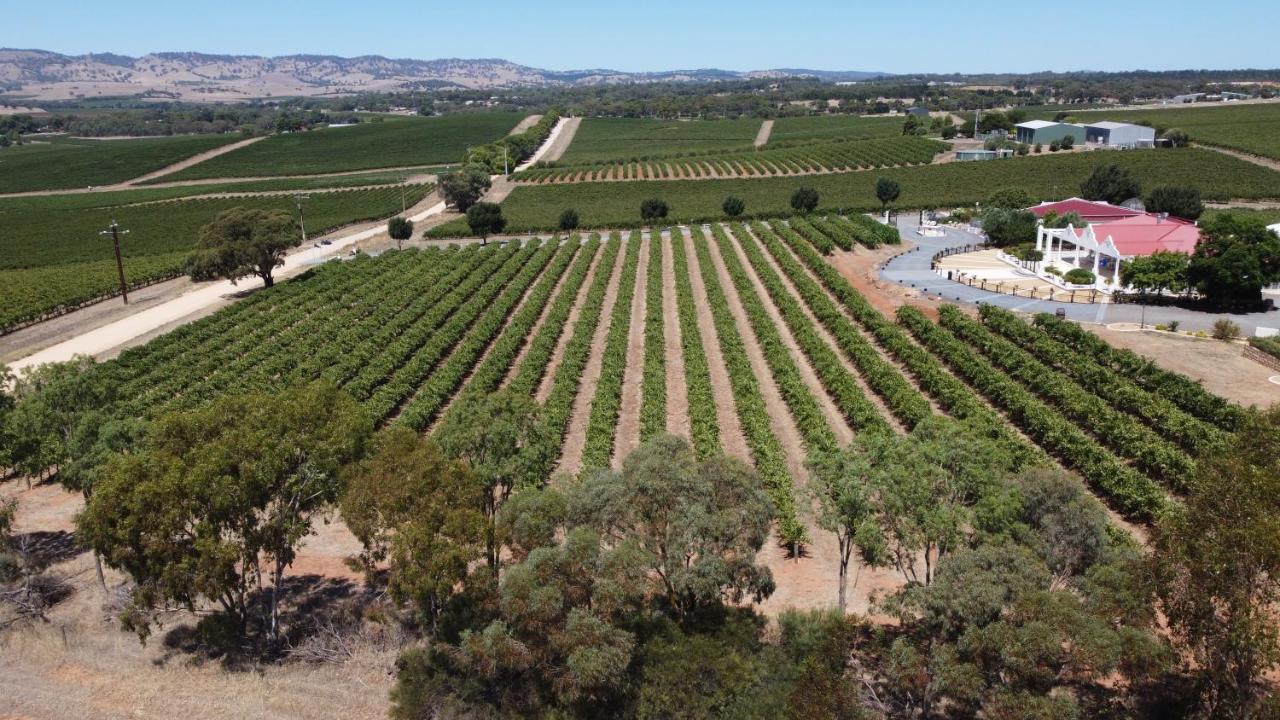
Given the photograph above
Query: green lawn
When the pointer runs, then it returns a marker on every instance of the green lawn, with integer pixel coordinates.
(832, 127)
(955, 184)
(52, 256)
(394, 142)
(1250, 128)
(607, 139)
(55, 163)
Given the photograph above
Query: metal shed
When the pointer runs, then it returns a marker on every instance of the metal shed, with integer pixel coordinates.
(1045, 132)
(1118, 134)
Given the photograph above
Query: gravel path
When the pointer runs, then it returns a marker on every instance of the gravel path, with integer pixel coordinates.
(735, 444)
(525, 124)
(194, 160)
(762, 135)
(677, 390)
(559, 140)
(575, 440)
(627, 434)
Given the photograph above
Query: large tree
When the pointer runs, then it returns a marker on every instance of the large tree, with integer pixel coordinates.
(1159, 271)
(241, 242)
(400, 229)
(485, 219)
(1181, 202)
(424, 513)
(699, 523)
(1110, 183)
(503, 441)
(1217, 563)
(214, 496)
(1236, 257)
(464, 188)
(887, 191)
(1006, 228)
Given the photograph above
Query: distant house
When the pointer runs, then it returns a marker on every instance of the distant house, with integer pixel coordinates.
(1188, 98)
(1044, 132)
(918, 111)
(1118, 134)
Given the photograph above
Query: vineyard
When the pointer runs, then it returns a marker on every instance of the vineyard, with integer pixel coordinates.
(774, 352)
(532, 208)
(53, 259)
(601, 140)
(833, 127)
(825, 157)
(392, 142)
(61, 162)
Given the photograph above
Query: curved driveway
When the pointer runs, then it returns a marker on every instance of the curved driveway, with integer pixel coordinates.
(912, 269)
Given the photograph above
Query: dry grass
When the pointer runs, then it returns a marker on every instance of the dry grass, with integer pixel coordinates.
(78, 663)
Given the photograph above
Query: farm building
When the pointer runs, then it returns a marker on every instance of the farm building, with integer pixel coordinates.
(980, 154)
(1118, 134)
(918, 111)
(1045, 132)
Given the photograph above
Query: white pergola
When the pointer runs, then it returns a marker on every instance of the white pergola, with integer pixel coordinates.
(1052, 242)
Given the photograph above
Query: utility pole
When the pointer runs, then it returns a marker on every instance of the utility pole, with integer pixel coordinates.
(115, 232)
(505, 169)
(302, 223)
(403, 208)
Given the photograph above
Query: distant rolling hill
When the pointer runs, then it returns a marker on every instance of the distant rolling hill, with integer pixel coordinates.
(41, 75)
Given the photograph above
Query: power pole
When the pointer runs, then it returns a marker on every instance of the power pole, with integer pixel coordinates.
(505, 169)
(115, 232)
(302, 223)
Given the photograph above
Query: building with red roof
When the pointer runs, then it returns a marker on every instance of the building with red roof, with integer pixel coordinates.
(1112, 235)
(1088, 210)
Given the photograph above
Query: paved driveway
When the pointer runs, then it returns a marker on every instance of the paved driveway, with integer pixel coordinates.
(912, 269)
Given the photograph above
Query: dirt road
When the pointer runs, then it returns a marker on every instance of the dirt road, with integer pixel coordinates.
(561, 135)
(179, 310)
(762, 135)
(193, 160)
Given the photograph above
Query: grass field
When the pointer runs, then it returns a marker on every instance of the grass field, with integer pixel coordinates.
(394, 142)
(833, 127)
(622, 139)
(52, 257)
(1249, 128)
(60, 162)
(950, 185)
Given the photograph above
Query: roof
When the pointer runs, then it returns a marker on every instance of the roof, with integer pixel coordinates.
(1088, 210)
(1147, 233)
(1037, 124)
(1109, 125)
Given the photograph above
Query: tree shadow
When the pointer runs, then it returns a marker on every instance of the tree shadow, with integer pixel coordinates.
(42, 548)
(310, 606)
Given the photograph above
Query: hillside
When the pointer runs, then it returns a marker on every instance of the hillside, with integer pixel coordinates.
(44, 75)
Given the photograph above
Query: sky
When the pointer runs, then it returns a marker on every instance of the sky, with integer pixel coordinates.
(906, 36)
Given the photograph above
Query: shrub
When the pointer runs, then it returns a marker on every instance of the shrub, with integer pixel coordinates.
(1039, 148)
(653, 209)
(1053, 270)
(1068, 142)
(1225, 330)
(1173, 325)
(1079, 276)
(1054, 146)
(733, 206)
(569, 219)
(804, 200)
